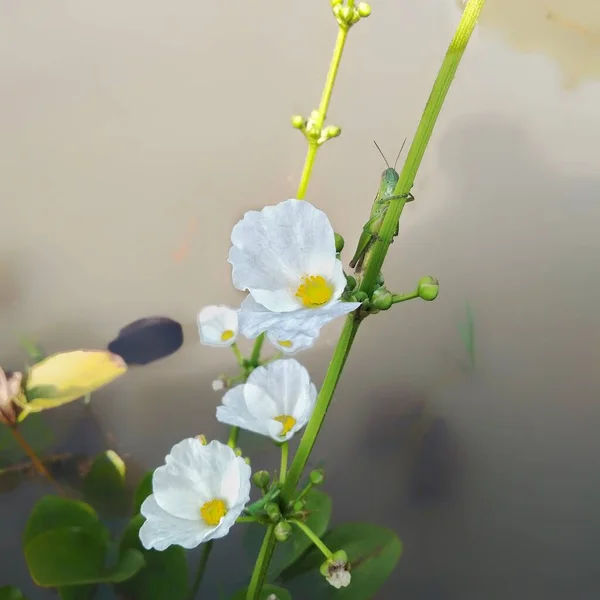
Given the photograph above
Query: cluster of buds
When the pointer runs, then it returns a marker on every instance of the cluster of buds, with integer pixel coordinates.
(348, 14)
(313, 130)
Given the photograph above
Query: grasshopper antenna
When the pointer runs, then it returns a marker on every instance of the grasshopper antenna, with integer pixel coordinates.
(382, 154)
(399, 153)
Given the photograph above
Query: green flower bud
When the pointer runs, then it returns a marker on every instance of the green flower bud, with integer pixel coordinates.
(428, 288)
(350, 282)
(332, 131)
(336, 2)
(237, 451)
(299, 506)
(298, 122)
(283, 530)
(317, 477)
(261, 479)
(340, 556)
(339, 243)
(380, 280)
(273, 512)
(247, 460)
(364, 10)
(381, 299)
(360, 296)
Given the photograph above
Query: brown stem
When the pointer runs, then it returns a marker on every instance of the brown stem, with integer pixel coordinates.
(37, 463)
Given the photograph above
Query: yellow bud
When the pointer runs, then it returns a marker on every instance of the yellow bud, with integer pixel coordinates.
(364, 9)
(298, 122)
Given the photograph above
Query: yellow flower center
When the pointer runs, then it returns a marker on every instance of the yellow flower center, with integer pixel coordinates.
(314, 291)
(227, 335)
(213, 511)
(287, 423)
(285, 343)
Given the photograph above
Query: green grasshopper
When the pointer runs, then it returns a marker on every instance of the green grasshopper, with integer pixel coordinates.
(370, 234)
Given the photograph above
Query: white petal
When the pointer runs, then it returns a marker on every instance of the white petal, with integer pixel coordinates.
(293, 345)
(234, 412)
(254, 319)
(177, 493)
(161, 530)
(235, 485)
(272, 249)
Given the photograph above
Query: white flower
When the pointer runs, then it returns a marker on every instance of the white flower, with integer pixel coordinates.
(293, 344)
(218, 325)
(285, 257)
(197, 495)
(339, 575)
(277, 400)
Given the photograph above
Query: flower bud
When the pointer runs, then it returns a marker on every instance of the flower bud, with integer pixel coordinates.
(428, 288)
(381, 299)
(299, 506)
(283, 530)
(202, 439)
(237, 451)
(364, 9)
(298, 122)
(360, 296)
(261, 479)
(332, 131)
(336, 2)
(317, 477)
(217, 385)
(337, 570)
(339, 243)
(380, 280)
(273, 512)
(247, 460)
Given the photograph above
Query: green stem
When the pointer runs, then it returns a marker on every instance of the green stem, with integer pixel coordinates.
(246, 520)
(206, 550)
(284, 461)
(403, 297)
(254, 358)
(422, 136)
(305, 491)
(313, 145)
(233, 437)
(262, 564)
(313, 537)
(238, 354)
(323, 400)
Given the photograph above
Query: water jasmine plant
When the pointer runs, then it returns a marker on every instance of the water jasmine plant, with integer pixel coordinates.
(289, 261)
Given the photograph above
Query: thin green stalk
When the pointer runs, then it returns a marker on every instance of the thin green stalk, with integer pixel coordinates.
(313, 537)
(313, 145)
(206, 550)
(254, 358)
(246, 520)
(422, 136)
(305, 491)
(238, 354)
(396, 298)
(284, 461)
(262, 564)
(233, 437)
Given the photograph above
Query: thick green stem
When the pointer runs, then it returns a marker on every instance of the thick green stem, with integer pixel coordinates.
(238, 354)
(422, 136)
(284, 461)
(255, 357)
(233, 437)
(262, 564)
(206, 550)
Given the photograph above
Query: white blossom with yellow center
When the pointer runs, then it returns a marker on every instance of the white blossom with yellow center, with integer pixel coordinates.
(277, 400)
(218, 325)
(292, 344)
(196, 495)
(284, 255)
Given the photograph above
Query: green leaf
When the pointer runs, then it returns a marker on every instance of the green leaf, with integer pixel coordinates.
(52, 512)
(267, 590)
(77, 592)
(144, 489)
(373, 552)
(165, 575)
(104, 485)
(72, 556)
(319, 506)
(8, 592)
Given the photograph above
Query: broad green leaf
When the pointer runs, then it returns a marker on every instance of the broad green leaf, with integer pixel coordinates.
(8, 592)
(104, 485)
(165, 575)
(77, 592)
(267, 590)
(52, 512)
(73, 556)
(143, 490)
(73, 375)
(319, 506)
(373, 552)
